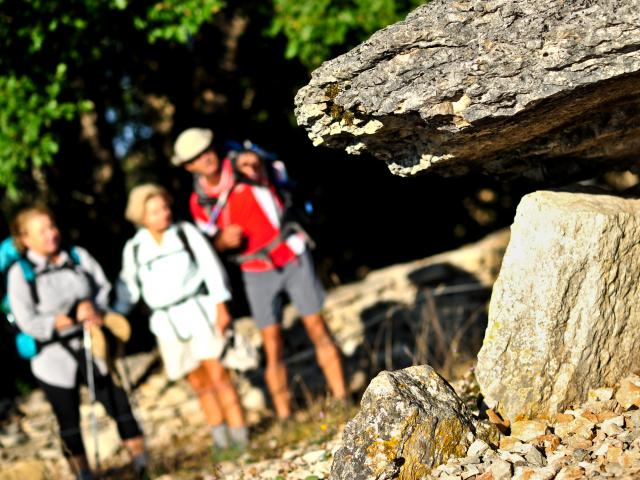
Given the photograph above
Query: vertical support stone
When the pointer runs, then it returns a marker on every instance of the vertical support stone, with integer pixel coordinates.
(565, 310)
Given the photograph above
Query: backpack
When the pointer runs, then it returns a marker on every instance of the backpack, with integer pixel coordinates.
(276, 172)
(26, 345)
(294, 217)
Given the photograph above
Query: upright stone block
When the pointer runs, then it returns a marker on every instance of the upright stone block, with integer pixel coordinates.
(565, 310)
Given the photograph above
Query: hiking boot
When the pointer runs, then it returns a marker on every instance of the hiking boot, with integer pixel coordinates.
(140, 466)
(220, 436)
(84, 474)
(239, 437)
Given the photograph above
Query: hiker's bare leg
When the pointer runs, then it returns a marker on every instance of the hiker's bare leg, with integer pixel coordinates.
(275, 374)
(327, 354)
(204, 388)
(135, 446)
(225, 392)
(78, 463)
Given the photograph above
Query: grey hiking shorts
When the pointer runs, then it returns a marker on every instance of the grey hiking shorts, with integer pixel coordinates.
(297, 279)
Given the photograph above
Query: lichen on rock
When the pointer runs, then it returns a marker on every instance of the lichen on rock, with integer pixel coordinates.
(410, 421)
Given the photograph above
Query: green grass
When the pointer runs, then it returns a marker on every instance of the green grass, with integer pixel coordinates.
(189, 458)
(311, 427)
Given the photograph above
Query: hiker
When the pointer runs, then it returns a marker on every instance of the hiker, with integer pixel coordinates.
(172, 267)
(272, 259)
(194, 150)
(66, 293)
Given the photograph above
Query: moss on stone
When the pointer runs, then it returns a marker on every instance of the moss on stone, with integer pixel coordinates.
(332, 91)
(336, 111)
(348, 117)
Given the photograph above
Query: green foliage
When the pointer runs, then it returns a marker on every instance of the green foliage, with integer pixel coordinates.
(49, 48)
(25, 118)
(316, 29)
(176, 20)
(60, 57)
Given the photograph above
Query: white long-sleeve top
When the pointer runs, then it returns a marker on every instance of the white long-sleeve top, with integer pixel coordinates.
(170, 283)
(59, 286)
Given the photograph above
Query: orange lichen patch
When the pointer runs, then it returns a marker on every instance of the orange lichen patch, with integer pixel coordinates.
(381, 453)
(422, 450)
(413, 453)
(448, 438)
(443, 443)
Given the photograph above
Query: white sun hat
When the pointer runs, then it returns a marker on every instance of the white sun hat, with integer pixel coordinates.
(190, 144)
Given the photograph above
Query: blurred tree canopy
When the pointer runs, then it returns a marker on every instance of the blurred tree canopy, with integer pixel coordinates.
(319, 30)
(65, 58)
(59, 55)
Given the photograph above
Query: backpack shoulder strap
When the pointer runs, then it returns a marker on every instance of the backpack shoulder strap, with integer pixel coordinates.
(74, 255)
(185, 243)
(216, 210)
(136, 255)
(135, 252)
(30, 276)
(203, 199)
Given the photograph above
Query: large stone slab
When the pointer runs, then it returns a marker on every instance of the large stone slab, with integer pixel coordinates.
(410, 421)
(565, 311)
(546, 89)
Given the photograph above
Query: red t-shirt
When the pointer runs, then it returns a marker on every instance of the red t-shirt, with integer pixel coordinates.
(257, 210)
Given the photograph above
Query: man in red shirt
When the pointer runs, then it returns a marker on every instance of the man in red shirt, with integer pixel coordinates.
(194, 151)
(246, 214)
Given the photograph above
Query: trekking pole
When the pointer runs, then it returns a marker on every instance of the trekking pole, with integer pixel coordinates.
(88, 353)
(123, 372)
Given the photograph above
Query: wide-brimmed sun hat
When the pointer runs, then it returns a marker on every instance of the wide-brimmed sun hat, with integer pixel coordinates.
(190, 144)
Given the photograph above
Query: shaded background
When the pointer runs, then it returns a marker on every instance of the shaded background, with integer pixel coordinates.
(93, 94)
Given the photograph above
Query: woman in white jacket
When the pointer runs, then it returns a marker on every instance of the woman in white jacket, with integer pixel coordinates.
(172, 267)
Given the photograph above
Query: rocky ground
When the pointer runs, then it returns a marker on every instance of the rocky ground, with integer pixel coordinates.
(374, 323)
(177, 438)
(598, 439)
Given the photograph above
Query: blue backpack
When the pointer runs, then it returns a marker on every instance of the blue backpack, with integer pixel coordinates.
(26, 345)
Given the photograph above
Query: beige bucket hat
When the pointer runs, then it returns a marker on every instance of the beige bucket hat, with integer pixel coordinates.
(190, 144)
